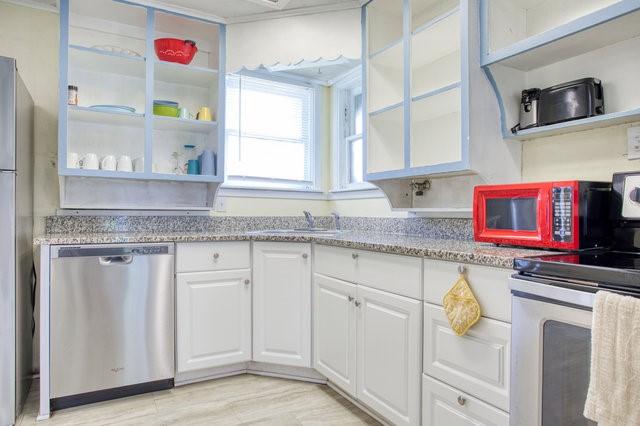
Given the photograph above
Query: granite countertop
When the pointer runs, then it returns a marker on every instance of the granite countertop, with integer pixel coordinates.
(442, 249)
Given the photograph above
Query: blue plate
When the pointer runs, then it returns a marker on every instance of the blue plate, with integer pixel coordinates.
(113, 108)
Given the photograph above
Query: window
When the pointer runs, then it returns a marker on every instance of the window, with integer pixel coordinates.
(269, 133)
(348, 142)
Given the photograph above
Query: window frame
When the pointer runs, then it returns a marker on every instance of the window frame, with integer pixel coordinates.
(256, 184)
(342, 108)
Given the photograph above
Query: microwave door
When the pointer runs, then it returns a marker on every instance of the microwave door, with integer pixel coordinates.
(512, 214)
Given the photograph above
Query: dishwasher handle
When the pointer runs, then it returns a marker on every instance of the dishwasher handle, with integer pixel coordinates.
(115, 260)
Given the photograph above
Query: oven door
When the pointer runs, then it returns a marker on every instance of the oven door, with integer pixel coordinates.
(551, 351)
(516, 215)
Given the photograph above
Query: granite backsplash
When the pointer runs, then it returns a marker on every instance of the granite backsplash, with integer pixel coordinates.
(437, 228)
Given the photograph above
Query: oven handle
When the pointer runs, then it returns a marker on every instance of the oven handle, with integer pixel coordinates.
(550, 293)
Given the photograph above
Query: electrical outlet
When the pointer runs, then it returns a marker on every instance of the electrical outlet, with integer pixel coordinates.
(633, 143)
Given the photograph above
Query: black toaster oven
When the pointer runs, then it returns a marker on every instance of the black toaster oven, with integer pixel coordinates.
(563, 102)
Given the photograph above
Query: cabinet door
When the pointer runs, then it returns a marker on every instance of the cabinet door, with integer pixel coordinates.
(282, 303)
(389, 354)
(334, 332)
(213, 325)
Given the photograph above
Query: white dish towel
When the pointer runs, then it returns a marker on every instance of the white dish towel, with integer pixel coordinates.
(614, 387)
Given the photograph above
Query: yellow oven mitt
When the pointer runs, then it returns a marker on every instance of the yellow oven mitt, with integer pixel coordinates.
(461, 307)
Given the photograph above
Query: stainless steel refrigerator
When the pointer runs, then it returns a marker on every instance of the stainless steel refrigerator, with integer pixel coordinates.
(16, 236)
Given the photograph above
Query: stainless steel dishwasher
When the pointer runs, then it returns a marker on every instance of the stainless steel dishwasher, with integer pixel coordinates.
(112, 321)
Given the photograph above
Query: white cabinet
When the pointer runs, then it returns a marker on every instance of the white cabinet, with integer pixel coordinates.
(282, 303)
(388, 351)
(335, 331)
(444, 405)
(477, 363)
(213, 319)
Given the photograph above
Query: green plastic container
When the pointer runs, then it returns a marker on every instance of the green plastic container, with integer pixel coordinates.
(165, 110)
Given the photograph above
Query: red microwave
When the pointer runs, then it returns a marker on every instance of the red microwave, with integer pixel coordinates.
(568, 215)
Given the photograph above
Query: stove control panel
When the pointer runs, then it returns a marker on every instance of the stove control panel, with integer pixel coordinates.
(562, 197)
(631, 197)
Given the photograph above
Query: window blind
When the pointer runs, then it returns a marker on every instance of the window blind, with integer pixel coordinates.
(269, 130)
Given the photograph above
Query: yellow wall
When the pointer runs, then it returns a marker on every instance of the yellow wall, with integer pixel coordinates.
(31, 36)
(589, 155)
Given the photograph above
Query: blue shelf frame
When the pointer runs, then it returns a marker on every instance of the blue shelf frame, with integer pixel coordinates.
(149, 60)
(407, 171)
(576, 26)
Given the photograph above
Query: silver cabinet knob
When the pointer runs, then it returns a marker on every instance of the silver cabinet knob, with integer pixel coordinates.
(216, 255)
(462, 400)
(350, 298)
(462, 269)
(357, 303)
(247, 281)
(354, 255)
(305, 255)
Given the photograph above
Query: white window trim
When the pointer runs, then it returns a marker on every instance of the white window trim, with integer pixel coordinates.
(239, 187)
(339, 183)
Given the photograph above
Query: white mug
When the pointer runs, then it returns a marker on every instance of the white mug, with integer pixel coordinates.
(73, 160)
(108, 163)
(125, 164)
(90, 162)
(138, 164)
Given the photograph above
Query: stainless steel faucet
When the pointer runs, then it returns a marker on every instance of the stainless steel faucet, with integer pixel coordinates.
(309, 218)
(336, 218)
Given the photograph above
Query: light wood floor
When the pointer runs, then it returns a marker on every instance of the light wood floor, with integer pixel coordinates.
(244, 399)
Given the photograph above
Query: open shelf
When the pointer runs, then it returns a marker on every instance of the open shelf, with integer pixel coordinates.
(96, 60)
(435, 54)
(436, 129)
(385, 77)
(385, 142)
(91, 115)
(609, 25)
(187, 178)
(578, 125)
(384, 24)
(188, 75)
(181, 124)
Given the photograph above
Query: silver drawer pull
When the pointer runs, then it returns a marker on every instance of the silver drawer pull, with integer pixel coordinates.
(246, 282)
(461, 269)
(305, 255)
(216, 255)
(462, 400)
(350, 298)
(354, 255)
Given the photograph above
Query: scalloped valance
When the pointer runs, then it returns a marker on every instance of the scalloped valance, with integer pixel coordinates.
(290, 40)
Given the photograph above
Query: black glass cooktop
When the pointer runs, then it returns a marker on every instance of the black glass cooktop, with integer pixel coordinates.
(602, 267)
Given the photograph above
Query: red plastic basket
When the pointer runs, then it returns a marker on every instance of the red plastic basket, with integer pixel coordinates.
(175, 50)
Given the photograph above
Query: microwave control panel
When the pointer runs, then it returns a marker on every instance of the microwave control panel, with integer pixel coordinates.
(562, 214)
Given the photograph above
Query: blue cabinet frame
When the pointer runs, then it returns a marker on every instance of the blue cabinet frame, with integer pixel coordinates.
(150, 60)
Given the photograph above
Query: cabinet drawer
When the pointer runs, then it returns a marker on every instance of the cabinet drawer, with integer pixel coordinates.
(477, 363)
(388, 272)
(197, 257)
(444, 405)
(490, 285)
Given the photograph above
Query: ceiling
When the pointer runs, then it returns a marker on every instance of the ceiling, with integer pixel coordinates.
(231, 10)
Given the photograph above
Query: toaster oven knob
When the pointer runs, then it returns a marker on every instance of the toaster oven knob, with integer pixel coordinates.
(635, 194)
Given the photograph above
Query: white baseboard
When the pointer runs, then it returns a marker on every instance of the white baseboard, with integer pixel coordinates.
(358, 404)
